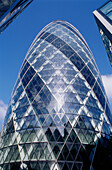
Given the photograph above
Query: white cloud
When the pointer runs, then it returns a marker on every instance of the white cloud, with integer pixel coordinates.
(107, 82)
(3, 109)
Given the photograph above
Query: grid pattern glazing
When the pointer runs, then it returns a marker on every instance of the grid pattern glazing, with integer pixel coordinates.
(104, 25)
(107, 44)
(106, 9)
(58, 110)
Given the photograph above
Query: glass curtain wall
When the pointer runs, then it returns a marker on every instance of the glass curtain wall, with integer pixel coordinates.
(58, 111)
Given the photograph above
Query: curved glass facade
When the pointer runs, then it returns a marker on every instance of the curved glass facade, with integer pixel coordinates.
(58, 112)
(9, 10)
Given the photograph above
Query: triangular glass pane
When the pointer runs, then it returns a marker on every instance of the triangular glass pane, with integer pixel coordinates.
(15, 153)
(15, 141)
(61, 157)
(48, 134)
(18, 157)
(49, 120)
(56, 134)
(70, 165)
(75, 167)
(61, 110)
(41, 119)
(33, 155)
(42, 137)
(32, 136)
(69, 139)
(68, 125)
(53, 111)
(65, 152)
(37, 125)
(43, 145)
(60, 139)
(24, 150)
(79, 166)
(46, 167)
(65, 167)
(60, 115)
(52, 145)
(42, 163)
(83, 113)
(73, 151)
(82, 122)
(33, 165)
(64, 120)
(73, 135)
(57, 120)
(70, 158)
(61, 164)
(42, 155)
(71, 117)
(69, 145)
(56, 150)
(52, 139)
(37, 167)
(47, 153)
(45, 124)
(92, 102)
(24, 136)
(51, 156)
(95, 113)
(60, 145)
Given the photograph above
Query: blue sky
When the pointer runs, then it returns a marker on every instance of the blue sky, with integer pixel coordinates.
(17, 38)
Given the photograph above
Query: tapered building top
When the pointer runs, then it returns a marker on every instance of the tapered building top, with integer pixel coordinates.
(58, 110)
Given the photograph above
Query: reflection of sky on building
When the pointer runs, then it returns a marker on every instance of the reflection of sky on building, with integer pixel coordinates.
(107, 9)
(5, 5)
(103, 18)
(107, 44)
(58, 108)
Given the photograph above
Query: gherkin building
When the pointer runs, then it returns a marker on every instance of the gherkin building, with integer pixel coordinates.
(58, 116)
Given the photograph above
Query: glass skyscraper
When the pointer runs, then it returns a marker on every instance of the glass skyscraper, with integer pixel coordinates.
(58, 116)
(9, 10)
(103, 17)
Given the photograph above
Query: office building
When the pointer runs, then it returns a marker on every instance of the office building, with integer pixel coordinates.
(103, 17)
(9, 10)
(58, 114)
